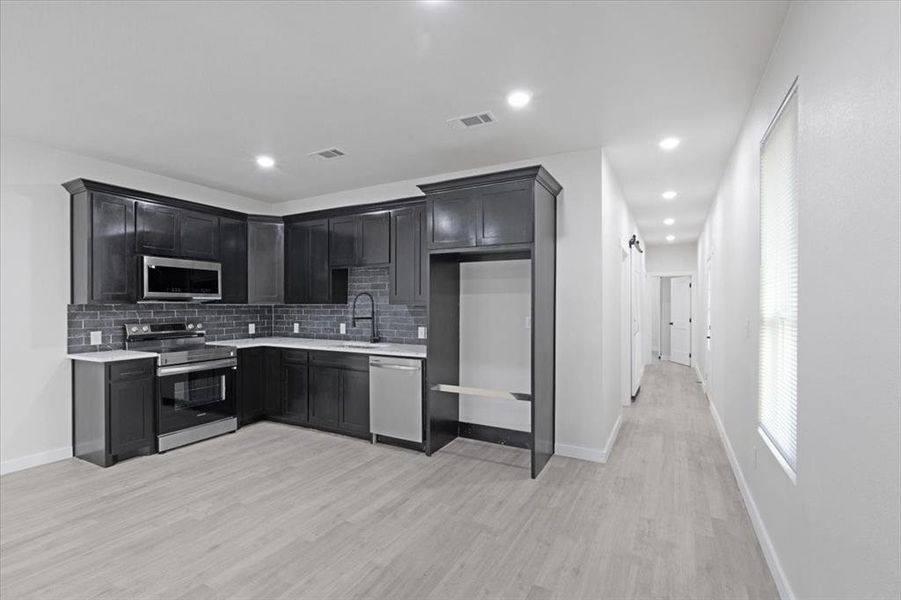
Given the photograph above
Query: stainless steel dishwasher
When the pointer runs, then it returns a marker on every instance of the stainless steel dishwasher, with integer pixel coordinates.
(395, 398)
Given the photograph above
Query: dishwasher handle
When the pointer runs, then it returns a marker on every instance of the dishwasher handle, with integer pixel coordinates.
(377, 365)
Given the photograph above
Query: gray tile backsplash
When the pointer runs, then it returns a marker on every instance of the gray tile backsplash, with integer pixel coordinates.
(396, 323)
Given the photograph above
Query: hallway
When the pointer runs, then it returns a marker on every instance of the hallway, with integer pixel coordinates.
(689, 516)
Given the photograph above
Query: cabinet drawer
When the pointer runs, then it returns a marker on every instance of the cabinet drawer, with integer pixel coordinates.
(141, 368)
(295, 356)
(357, 362)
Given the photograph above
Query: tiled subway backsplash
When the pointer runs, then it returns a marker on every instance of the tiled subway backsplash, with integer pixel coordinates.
(221, 321)
(396, 323)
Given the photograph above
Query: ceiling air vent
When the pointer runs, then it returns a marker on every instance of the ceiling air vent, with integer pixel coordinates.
(467, 121)
(328, 153)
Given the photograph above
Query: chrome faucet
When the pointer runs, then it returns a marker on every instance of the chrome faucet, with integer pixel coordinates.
(373, 332)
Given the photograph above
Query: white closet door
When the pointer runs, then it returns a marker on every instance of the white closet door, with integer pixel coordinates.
(680, 320)
(635, 293)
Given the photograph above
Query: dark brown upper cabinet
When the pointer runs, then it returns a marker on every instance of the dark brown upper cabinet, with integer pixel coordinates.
(233, 256)
(104, 267)
(374, 239)
(265, 261)
(360, 240)
(157, 229)
(504, 214)
(453, 219)
(169, 231)
(488, 210)
(343, 241)
(198, 235)
(408, 272)
(308, 275)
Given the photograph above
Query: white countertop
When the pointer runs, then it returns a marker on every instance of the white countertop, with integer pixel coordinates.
(111, 355)
(405, 350)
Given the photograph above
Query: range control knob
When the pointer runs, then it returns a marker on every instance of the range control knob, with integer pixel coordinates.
(190, 325)
(200, 326)
(134, 328)
(145, 328)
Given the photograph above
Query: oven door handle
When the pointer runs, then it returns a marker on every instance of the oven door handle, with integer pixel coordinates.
(203, 366)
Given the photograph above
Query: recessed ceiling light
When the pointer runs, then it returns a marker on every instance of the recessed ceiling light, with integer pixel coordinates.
(669, 221)
(670, 143)
(519, 98)
(670, 238)
(669, 194)
(266, 162)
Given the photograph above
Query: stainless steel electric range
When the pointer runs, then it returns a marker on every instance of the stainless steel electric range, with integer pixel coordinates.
(195, 382)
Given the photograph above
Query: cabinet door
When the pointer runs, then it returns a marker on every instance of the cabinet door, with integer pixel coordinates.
(113, 267)
(374, 244)
(320, 271)
(198, 235)
(343, 241)
(452, 219)
(265, 262)
(326, 390)
(233, 255)
(252, 384)
(421, 281)
(406, 249)
(306, 263)
(272, 401)
(295, 390)
(297, 263)
(157, 229)
(505, 214)
(131, 407)
(355, 402)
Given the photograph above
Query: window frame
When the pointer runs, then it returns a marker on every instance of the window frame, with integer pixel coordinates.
(791, 470)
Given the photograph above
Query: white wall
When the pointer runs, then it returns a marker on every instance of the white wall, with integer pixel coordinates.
(35, 376)
(495, 341)
(617, 226)
(837, 532)
(677, 259)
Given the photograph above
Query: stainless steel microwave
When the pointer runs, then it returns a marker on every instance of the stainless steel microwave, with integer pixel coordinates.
(179, 279)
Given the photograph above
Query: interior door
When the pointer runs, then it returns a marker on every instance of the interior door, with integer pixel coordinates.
(636, 291)
(680, 320)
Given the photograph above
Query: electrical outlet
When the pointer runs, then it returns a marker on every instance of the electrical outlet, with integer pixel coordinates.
(251, 328)
(96, 338)
(297, 328)
(421, 333)
(343, 328)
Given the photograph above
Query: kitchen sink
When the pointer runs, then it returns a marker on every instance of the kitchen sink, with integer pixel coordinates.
(361, 345)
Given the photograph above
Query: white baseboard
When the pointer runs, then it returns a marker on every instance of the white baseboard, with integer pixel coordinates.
(35, 460)
(763, 537)
(591, 454)
(580, 452)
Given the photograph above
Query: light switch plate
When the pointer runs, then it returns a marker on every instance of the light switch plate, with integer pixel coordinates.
(96, 338)
(297, 328)
(251, 328)
(529, 322)
(343, 328)
(421, 333)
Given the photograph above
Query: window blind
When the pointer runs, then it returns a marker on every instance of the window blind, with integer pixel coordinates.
(778, 360)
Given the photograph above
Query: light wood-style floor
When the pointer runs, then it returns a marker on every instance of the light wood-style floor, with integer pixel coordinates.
(279, 512)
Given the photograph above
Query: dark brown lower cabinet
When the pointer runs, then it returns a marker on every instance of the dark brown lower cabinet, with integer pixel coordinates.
(339, 392)
(295, 386)
(252, 384)
(326, 390)
(113, 410)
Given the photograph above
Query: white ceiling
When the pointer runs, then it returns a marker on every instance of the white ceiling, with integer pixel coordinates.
(195, 90)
